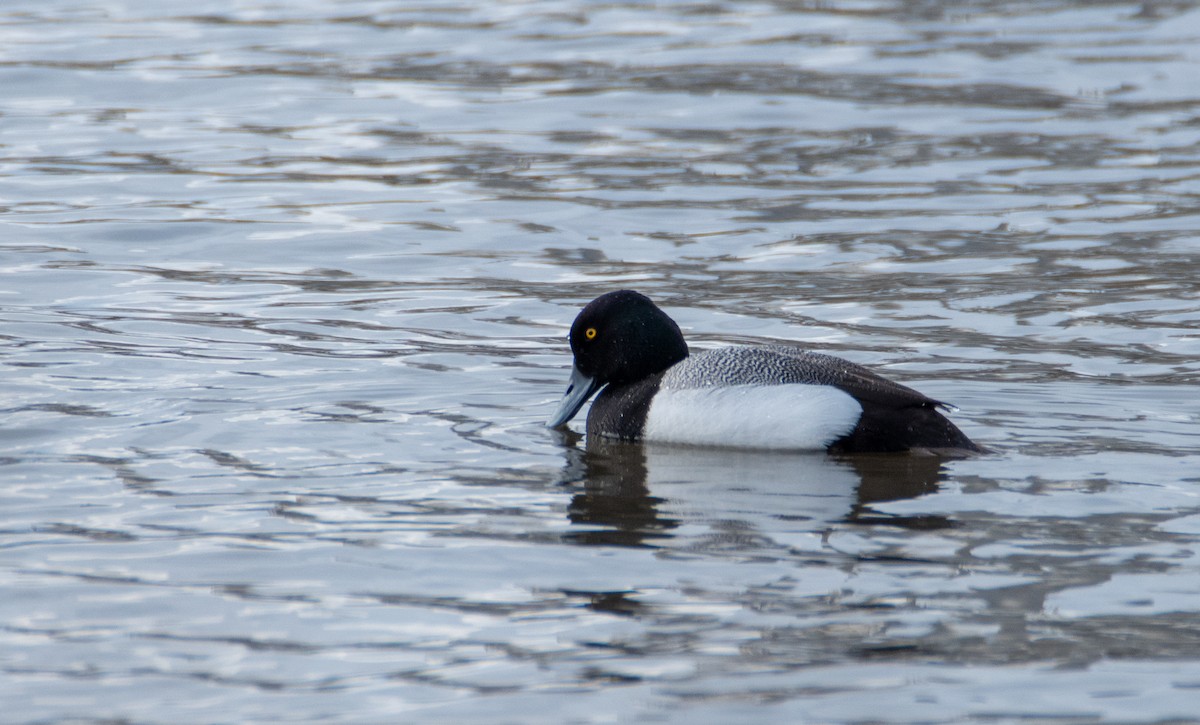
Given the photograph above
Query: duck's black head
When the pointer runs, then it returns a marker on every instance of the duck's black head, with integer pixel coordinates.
(618, 338)
(622, 336)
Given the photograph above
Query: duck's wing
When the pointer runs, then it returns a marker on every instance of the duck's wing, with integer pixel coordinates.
(782, 365)
(862, 383)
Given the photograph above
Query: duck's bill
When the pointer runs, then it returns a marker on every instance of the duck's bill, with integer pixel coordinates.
(579, 388)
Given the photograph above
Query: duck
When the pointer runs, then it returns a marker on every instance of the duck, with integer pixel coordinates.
(652, 388)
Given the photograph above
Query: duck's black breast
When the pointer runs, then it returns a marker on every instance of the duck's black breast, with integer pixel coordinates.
(620, 411)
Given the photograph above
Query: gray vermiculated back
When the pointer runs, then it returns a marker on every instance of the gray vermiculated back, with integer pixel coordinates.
(783, 365)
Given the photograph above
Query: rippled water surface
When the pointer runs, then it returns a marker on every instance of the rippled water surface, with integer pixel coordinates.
(284, 302)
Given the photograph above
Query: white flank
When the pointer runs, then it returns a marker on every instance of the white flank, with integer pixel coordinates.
(791, 417)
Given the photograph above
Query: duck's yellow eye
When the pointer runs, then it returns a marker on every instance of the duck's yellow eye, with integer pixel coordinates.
(590, 333)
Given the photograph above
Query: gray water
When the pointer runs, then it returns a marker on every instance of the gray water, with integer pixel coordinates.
(285, 290)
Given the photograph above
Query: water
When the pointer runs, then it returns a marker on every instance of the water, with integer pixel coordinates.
(285, 291)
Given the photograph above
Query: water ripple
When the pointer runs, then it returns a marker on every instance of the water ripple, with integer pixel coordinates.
(285, 303)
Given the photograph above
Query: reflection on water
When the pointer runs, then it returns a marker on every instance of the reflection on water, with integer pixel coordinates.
(893, 478)
(284, 291)
(615, 505)
(633, 494)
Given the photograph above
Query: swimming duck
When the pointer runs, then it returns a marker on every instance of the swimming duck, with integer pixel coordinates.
(776, 396)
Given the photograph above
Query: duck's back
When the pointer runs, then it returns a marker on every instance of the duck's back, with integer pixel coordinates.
(783, 365)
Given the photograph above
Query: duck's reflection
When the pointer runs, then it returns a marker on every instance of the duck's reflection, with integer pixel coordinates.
(892, 477)
(614, 505)
(633, 494)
